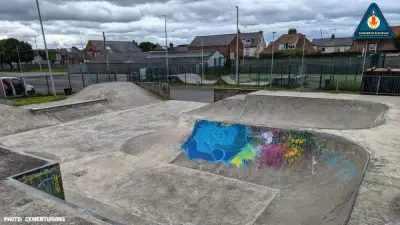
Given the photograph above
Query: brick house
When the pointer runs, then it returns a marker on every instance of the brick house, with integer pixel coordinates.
(69, 56)
(377, 45)
(224, 43)
(290, 41)
(94, 48)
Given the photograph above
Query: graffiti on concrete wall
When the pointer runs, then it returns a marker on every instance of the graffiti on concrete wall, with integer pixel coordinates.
(241, 146)
(47, 179)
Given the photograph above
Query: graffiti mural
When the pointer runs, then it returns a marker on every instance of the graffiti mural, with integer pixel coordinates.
(240, 146)
(47, 179)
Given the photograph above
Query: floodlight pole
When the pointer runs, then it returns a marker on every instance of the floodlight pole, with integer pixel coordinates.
(166, 46)
(237, 45)
(37, 52)
(272, 59)
(53, 88)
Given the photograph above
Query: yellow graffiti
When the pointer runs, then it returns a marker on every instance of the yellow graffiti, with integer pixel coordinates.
(43, 183)
(226, 124)
(248, 153)
(36, 176)
(295, 150)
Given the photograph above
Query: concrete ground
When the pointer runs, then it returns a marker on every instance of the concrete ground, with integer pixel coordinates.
(125, 165)
(192, 94)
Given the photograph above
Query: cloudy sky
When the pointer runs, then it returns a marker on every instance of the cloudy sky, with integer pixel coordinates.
(66, 21)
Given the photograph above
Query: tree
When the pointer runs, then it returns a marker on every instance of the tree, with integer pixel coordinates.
(11, 47)
(147, 46)
(52, 55)
(396, 40)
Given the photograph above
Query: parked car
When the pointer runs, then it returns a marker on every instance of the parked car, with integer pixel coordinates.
(13, 86)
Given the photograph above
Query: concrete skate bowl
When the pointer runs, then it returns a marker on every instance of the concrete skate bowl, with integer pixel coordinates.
(99, 98)
(317, 175)
(283, 111)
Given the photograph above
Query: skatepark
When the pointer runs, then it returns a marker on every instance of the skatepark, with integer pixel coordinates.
(128, 157)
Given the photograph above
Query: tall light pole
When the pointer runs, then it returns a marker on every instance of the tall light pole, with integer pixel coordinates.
(83, 51)
(37, 52)
(237, 45)
(302, 64)
(272, 59)
(202, 60)
(53, 88)
(19, 60)
(166, 46)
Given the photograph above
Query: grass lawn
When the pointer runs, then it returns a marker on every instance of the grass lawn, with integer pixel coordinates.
(37, 100)
(56, 70)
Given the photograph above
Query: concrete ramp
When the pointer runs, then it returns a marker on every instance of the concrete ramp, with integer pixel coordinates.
(317, 175)
(265, 108)
(193, 78)
(228, 79)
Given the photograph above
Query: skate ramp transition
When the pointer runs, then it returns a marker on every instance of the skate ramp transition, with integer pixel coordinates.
(288, 112)
(317, 175)
(93, 100)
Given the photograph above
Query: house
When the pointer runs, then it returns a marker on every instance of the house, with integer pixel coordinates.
(212, 58)
(224, 43)
(333, 44)
(178, 48)
(94, 48)
(387, 46)
(128, 57)
(253, 43)
(290, 41)
(70, 56)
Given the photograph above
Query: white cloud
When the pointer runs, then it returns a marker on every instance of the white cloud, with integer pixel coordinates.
(141, 20)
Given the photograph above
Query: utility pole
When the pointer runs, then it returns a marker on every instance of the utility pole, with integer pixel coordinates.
(202, 61)
(37, 52)
(272, 59)
(19, 60)
(105, 53)
(166, 46)
(53, 88)
(302, 64)
(237, 45)
(83, 51)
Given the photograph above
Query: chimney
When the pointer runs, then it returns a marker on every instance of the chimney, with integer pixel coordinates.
(171, 45)
(292, 31)
(333, 36)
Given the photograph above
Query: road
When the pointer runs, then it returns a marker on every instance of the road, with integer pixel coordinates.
(192, 94)
(42, 83)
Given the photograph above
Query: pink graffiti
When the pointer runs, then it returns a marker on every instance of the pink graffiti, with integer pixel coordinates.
(272, 155)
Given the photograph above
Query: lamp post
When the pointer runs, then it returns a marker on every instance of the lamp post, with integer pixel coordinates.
(37, 52)
(302, 64)
(202, 60)
(237, 45)
(272, 59)
(166, 46)
(53, 88)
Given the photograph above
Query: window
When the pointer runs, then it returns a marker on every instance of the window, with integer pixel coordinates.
(371, 47)
(286, 46)
(248, 40)
(322, 49)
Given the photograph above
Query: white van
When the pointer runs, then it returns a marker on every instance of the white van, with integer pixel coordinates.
(14, 87)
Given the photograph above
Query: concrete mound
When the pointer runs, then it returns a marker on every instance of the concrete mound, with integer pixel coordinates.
(266, 109)
(119, 96)
(317, 175)
(14, 120)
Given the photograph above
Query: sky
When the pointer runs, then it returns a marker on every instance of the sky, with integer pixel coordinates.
(67, 22)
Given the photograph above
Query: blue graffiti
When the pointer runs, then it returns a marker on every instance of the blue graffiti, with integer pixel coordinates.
(216, 142)
(346, 169)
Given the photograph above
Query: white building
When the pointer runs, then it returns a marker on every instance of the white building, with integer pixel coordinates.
(333, 44)
(253, 43)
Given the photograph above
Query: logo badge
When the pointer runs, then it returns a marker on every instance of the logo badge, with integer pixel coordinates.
(373, 26)
(373, 21)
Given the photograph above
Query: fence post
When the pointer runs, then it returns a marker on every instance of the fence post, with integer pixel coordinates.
(83, 80)
(379, 82)
(115, 76)
(69, 81)
(337, 84)
(97, 77)
(47, 82)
